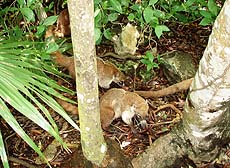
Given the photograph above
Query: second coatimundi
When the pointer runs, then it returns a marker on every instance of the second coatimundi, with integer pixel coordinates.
(107, 72)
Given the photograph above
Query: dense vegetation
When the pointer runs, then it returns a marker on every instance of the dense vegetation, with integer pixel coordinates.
(27, 73)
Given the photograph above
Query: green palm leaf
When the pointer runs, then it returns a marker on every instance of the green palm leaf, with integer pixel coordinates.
(24, 84)
(7, 115)
(3, 152)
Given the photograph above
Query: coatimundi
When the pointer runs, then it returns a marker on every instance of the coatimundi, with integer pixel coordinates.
(107, 72)
(117, 103)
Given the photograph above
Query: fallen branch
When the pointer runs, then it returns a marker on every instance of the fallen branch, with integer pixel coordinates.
(181, 86)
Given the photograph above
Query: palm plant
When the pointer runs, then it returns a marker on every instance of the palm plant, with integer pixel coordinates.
(25, 85)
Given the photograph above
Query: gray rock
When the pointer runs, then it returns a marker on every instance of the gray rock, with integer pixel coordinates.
(177, 66)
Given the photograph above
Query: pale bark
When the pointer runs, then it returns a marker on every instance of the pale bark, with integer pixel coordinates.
(205, 126)
(82, 33)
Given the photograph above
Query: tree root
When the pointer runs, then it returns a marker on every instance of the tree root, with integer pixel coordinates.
(181, 86)
(166, 151)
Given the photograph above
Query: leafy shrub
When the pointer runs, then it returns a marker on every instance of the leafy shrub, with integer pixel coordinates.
(109, 12)
(153, 13)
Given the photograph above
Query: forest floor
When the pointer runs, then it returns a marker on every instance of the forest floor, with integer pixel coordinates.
(190, 38)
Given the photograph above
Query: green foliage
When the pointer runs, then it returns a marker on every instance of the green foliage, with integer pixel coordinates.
(41, 28)
(106, 12)
(148, 60)
(146, 14)
(25, 86)
(28, 14)
(210, 14)
(190, 10)
(24, 67)
(19, 19)
(153, 13)
(109, 12)
(26, 9)
(159, 29)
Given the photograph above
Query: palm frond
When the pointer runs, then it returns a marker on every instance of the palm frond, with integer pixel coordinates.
(25, 85)
(9, 118)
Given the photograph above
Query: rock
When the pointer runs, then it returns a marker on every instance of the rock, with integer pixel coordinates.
(177, 66)
(127, 41)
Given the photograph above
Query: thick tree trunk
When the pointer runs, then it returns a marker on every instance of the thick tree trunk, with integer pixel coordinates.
(205, 126)
(82, 33)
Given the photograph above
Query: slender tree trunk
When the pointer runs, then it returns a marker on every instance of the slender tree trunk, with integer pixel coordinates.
(205, 126)
(82, 33)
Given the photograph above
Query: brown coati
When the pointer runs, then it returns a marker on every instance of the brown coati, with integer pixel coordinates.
(117, 103)
(107, 72)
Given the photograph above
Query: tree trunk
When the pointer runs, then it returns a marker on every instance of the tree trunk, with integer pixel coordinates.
(205, 126)
(82, 32)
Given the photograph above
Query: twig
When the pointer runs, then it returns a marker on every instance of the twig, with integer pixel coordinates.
(21, 162)
(123, 57)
